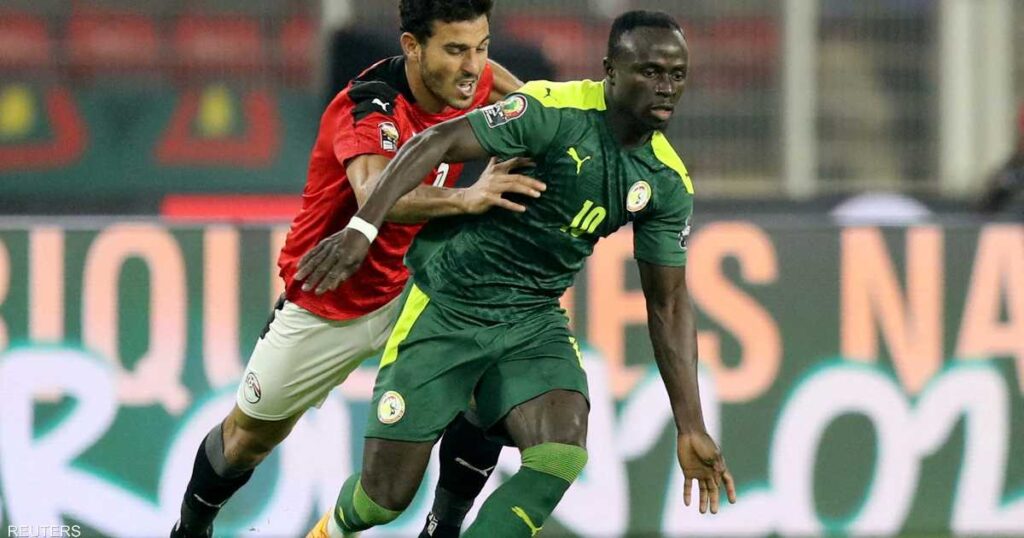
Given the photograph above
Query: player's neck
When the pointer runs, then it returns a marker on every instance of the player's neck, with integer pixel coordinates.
(626, 131)
(425, 99)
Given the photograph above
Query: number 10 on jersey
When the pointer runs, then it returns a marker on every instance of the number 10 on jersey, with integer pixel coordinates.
(587, 220)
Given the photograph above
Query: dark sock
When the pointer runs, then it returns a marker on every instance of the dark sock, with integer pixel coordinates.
(467, 460)
(446, 515)
(436, 529)
(212, 483)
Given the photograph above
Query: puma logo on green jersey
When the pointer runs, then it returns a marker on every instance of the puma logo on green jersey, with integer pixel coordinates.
(526, 519)
(576, 157)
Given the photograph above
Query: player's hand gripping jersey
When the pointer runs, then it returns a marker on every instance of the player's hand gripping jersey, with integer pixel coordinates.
(503, 266)
(375, 114)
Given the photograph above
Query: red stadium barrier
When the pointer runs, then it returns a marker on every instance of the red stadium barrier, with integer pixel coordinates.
(230, 207)
(218, 45)
(99, 43)
(25, 42)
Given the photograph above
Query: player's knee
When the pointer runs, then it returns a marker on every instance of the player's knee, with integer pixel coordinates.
(573, 431)
(392, 471)
(557, 459)
(246, 446)
(393, 494)
(241, 449)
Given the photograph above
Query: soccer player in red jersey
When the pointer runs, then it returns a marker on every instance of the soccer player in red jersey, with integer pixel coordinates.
(312, 342)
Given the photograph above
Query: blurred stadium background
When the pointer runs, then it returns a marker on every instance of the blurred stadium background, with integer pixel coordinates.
(857, 264)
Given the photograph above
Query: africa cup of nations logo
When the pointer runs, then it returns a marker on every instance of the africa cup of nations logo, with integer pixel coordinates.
(391, 408)
(505, 111)
(514, 106)
(388, 136)
(253, 392)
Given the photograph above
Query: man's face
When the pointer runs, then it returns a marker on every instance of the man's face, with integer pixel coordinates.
(453, 58)
(648, 75)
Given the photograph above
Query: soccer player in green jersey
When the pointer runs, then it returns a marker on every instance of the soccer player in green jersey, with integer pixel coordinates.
(481, 317)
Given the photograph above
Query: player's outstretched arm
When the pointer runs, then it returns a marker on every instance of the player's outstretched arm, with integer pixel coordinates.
(427, 202)
(338, 257)
(673, 332)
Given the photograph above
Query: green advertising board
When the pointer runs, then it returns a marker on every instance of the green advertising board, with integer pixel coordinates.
(860, 380)
(141, 143)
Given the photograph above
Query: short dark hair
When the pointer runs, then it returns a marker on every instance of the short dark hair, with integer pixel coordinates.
(632, 20)
(418, 16)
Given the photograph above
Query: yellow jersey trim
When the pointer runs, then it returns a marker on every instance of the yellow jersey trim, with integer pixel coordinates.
(579, 94)
(664, 152)
(589, 95)
(415, 303)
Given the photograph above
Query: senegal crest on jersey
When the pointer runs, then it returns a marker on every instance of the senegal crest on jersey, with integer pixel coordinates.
(505, 111)
(391, 408)
(638, 196)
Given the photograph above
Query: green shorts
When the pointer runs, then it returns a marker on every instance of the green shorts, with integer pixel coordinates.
(438, 359)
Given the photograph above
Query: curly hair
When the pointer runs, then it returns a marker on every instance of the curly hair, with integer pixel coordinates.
(418, 16)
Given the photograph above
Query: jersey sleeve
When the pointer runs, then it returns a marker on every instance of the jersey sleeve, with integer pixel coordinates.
(518, 125)
(660, 237)
(369, 126)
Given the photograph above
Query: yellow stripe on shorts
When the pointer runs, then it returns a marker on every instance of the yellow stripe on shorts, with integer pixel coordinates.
(576, 348)
(415, 303)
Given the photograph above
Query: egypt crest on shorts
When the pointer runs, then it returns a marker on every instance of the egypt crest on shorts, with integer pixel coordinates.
(388, 136)
(505, 111)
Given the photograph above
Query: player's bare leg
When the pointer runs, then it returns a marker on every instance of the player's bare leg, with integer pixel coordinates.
(551, 433)
(248, 441)
(224, 463)
(391, 474)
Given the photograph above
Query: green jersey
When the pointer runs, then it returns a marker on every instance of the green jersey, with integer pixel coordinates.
(504, 265)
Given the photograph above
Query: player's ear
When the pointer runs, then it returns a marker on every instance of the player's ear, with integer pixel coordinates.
(609, 70)
(410, 46)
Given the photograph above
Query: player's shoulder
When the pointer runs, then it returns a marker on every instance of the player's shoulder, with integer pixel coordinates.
(670, 159)
(576, 94)
(377, 89)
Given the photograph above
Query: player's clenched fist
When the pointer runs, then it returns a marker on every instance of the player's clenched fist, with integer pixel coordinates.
(332, 261)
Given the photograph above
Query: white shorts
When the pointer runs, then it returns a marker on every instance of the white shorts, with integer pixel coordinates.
(302, 356)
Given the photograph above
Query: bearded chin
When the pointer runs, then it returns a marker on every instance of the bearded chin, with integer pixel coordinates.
(432, 82)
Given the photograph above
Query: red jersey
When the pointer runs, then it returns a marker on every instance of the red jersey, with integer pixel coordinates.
(375, 114)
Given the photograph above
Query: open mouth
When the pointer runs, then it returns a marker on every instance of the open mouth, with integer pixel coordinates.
(466, 88)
